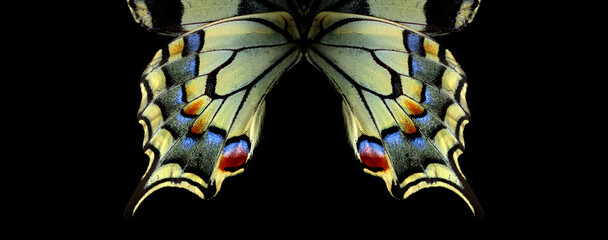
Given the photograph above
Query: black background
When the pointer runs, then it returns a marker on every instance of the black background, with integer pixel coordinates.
(303, 176)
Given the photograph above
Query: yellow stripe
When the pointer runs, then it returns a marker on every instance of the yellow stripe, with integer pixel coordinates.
(461, 131)
(197, 106)
(444, 141)
(146, 133)
(197, 11)
(450, 81)
(423, 185)
(382, 116)
(360, 66)
(195, 88)
(156, 80)
(404, 121)
(154, 116)
(182, 184)
(247, 66)
(151, 157)
(203, 121)
(144, 98)
(229, 35)
(432, 49)
(455, 156)
(175, 49)
(452, 115)
(223, 118)
(463, 98)
(395, 60)
(209, 61)
(362, 33)
(162, 141)
(411, 88)
(452, 62)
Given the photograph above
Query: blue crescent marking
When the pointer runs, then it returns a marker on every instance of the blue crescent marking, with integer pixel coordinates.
(231, 147)
(374, 146)
(419, 143)
(179, 97)
(194, 42)
(188, 143)
(414, 42)
(213, 139)
(393, 139)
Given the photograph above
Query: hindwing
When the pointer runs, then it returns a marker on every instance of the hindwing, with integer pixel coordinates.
(203, 101)
(403, 100)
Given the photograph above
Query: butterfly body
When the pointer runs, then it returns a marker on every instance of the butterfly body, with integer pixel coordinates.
(203, 94)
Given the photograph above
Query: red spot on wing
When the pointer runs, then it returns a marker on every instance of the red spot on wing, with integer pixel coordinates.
(234, 156)
(373, 157)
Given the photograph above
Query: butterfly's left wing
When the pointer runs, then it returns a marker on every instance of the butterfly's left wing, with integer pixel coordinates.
(175, 17)
(203, 101)
(403, 101)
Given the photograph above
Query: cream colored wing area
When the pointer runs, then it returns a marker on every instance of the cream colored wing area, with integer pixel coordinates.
(403, 99)
(203, 101)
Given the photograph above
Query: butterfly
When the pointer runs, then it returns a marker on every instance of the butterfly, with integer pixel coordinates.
(403, 94)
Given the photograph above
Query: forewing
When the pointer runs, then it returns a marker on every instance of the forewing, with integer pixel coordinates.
(404, 101)
(175, 17)
(203, 101)
(432, 17)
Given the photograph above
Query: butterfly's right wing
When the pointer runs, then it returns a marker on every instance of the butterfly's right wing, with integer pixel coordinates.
(432, 17)
(403, 101)
(175, 17)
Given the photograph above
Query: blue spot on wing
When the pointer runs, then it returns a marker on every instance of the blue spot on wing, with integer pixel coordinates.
(427, 97)
(424, 119)
(188, 143)
(194, 42)
(414, 42)
(213, 139)
(419, 143)
(181, 119)
(416, 67)
(191, 66)
(374, 146)
(393, 139)
(231, 147)
(179, 98)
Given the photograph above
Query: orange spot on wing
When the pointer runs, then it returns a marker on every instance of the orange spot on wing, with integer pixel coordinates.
(413, 107)
(431, 48)
(195, 107)
(198, 127)
(176, 48)
(408, 126)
